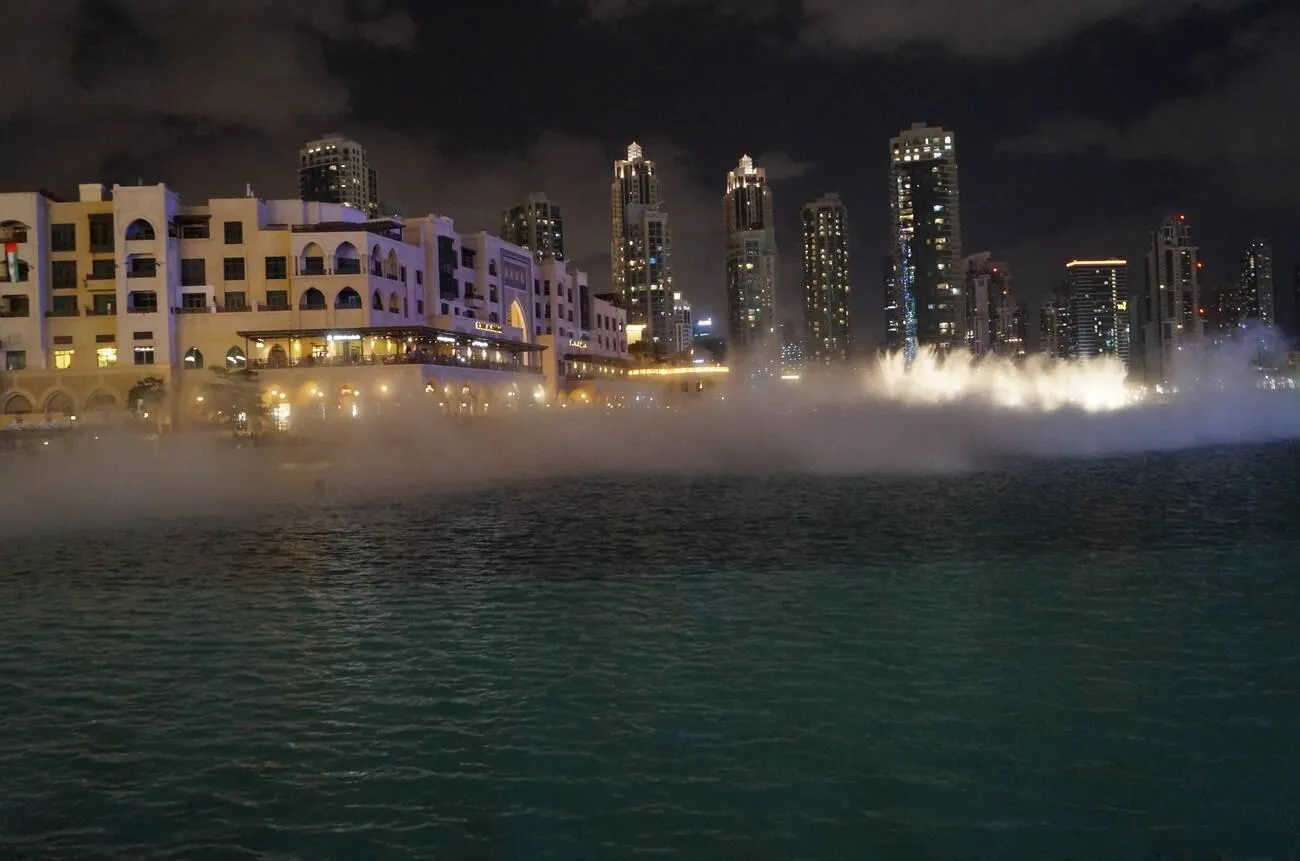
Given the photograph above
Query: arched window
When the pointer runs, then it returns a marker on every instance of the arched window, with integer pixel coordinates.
(390, 267)
(140, 230)
(376, 302)
(59, 404)
(394, 304)
(235, 359)
(17, 405)
(347, 298)
(193, 359)
(312, 300)
(347, 260)
(492, 317)
(277, 358)
(312, 260)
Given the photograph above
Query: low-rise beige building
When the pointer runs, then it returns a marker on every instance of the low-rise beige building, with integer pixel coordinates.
(333, 310)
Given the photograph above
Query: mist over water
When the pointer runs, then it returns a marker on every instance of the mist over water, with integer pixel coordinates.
(934, 417)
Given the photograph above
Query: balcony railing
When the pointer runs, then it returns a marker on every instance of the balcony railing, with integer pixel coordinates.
(15, 312)
(101, 312)
(142, 309)
(413, 359)
(263, 306)
(63, 312)
(192, 309)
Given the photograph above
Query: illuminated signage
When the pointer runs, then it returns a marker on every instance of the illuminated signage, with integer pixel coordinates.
(343, 337)
(487, 327)
(581, 345)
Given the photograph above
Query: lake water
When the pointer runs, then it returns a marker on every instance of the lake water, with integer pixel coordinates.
(1073, 660)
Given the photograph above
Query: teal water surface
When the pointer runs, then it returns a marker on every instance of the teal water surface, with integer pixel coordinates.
(1076, 660)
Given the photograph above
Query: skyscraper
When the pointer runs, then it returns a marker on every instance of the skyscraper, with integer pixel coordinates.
(641, 252)
(990, 307)
(1256, 284)
(1099, 314)
(1168, 316)
(751, 259)
(928, 306)
(683, 324)
(826, 279)
(536, 225)
(1056, 339)
(334, 169)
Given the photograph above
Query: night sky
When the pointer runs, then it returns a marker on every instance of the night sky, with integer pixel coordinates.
(1080, 123)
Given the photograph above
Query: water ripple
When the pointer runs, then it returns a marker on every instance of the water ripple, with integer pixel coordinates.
(1062, 660)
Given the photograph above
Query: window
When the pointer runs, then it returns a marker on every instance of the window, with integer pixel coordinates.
(142, 301)
(62, 340)
(195, 230)
(106, 357)
(277, 300)
(63, 358)
(101, 233)
(234, 232)
(144, 355)
(103, 304)
(17, 306)
(142, 336)
(233, 268)
(419, 276)
(63, 274)
(194, 301)
(403, 274)
(277, 268)
(141, 267)
(16, 360)
(194, 272)
(63, 306)
(236, 300)
(63, 237)
(419, 307)
(492, 293)
(102, 270)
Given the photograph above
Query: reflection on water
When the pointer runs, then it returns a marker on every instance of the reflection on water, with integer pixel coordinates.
(1081, 660)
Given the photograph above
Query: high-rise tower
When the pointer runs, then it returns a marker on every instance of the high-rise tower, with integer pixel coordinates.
(1099, 314)
(537, 226)
(826, 280)
(1167, 316)
(751, 260)
(641, 251)
(334, 169)
(926, 305)
(1256, 284)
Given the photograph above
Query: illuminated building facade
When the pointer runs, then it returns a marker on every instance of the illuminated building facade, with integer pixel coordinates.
(1167, 315)
(1256, 284)
(584, 335)
(536, 225)
(1055, 335)
(990, 307)
(750, 263)
(926, 306)
(1099, 308)
(641, 252)
(682, 321)
(333, 310)
(826, 280)
(335, 169)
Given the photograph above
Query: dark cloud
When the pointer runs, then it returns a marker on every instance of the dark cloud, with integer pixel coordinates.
(978, 28)
(1245, 128)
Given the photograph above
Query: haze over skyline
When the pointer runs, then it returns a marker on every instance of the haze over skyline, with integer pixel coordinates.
(1080, 124)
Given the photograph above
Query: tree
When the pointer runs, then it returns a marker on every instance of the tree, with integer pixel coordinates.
(234, 396)
(148, 394)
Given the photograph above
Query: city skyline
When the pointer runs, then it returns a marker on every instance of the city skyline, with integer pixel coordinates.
(1117, 165)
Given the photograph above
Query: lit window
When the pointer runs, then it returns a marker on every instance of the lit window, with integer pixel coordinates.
(106, 357)
(63, 359)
